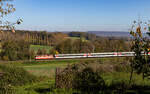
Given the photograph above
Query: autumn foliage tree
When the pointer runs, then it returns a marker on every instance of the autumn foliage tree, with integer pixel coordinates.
(13, 48)
(6, 8)
(141, 46)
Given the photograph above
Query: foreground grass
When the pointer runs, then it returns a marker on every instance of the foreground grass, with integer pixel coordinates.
(47, 69)
(36, 88)
(122, 77)
(48, 86)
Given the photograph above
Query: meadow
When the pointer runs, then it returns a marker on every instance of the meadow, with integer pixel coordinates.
(45, 70)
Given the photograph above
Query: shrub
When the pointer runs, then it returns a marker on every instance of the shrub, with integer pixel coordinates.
(5, 58)
(17, 75)
(65, 79)
(87, 76)
(80, 77)
(5, 87)
(88, 80)
(14, 76)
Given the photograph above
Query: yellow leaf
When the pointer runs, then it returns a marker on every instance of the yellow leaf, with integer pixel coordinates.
(13, 30)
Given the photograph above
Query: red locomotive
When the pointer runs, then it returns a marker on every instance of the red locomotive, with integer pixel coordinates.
(44, 57)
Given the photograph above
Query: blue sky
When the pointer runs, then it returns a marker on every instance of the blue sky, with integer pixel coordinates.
(79, 15)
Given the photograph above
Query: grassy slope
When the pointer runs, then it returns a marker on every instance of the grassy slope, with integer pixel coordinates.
(44, 69)
(47, 68)
(36, 47)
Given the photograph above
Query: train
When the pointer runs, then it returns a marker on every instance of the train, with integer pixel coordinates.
(44, 57)
(84, 55)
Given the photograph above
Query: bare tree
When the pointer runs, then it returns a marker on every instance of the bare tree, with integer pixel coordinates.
(6, 7)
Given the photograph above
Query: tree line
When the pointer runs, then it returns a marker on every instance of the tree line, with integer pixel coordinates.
(16, 46)
(88, 46)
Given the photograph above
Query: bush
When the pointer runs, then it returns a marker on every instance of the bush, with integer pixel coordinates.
(88, 80)
(80, 77)
(17, 76)
(5, 58)
(14, 76)
(65, 79)
(5, 87)
(87, 76)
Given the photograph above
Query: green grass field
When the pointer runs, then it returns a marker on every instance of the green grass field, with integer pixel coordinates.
(47, 69)
(44, 69)
(37, 47)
